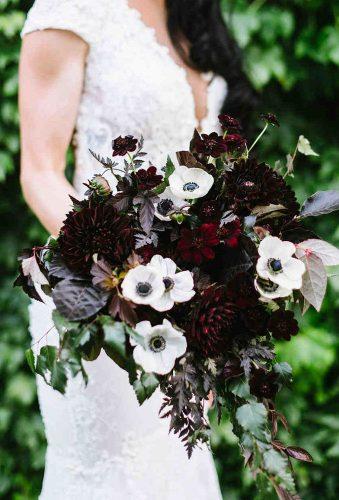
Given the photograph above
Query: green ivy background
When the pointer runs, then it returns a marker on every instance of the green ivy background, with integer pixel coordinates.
(292, 56)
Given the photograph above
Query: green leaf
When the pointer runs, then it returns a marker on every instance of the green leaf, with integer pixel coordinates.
(115, 340)
(62, 324)
(284, 371)
(145, 386)
(240, 388)
(59, 377)
(139, 339)
(30, 359)
(252, 417)
(304, 147)
(169, 168)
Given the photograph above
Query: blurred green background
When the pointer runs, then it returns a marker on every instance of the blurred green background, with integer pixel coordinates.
(292, 56)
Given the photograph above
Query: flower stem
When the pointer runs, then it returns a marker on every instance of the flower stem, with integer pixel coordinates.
(258, 138)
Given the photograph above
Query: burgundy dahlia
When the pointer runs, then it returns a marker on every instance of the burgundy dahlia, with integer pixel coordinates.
(123, 145)
(250, 184)
(229, 124)
(263, 384)
(210, 324)
(211, 145)
(196, 245)
(95, 230)
(283, 325)
(148, 179)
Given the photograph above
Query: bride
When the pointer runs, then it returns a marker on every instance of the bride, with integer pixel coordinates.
(91, 71)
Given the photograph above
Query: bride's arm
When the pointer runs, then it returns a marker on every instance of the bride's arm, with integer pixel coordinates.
(51, 79)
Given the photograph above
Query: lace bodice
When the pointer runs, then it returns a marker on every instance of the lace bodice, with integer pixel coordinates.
(101, 445)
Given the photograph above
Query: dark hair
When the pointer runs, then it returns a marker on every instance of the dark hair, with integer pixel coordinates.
(200, 24)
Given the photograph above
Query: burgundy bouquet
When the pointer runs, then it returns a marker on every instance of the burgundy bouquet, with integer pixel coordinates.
(185, 276)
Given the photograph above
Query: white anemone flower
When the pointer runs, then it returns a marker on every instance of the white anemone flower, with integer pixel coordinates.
(178, 286)
(276, 263)
(269, 290)
(190, 183)
(166, 204)
(142, 285)
(163, 344)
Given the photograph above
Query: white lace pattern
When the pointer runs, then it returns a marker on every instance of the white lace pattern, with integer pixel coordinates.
(101, 444)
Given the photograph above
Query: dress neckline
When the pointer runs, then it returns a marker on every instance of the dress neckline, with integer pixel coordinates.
(199, 124)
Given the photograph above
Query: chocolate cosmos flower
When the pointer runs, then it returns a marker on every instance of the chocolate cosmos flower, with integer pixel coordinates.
(283, 325)
(211, 145)
(123, 145)
(148, 179)
(229, 123)
(263, 384)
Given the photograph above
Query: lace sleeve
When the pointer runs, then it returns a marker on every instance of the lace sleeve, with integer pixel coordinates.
(85, 18)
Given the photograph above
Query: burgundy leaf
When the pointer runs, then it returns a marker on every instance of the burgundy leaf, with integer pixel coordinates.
(146, 215)
(298, 454)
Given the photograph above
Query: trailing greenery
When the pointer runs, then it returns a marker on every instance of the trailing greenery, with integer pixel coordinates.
(292, 56)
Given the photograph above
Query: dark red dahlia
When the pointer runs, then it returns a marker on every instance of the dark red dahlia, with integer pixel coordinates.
(147, 179)
(263, 384)
(283, 325)
(123, 145)
(229, 123)
(146, 253)
(229, 233)
(95, 230)
(250, 184)
(211, 321)
(235, 143)
(210, 145)
(196, 245)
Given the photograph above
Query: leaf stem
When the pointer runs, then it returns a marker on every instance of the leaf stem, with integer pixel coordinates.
(258, 138)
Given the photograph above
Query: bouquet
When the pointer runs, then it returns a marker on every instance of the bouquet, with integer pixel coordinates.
(186, 275)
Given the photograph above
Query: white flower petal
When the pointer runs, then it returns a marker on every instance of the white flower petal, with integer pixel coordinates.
(181, 295)
(143, 328)
(284, 251)
(163, 303)
(167, 267)
(294, 268)
(184, 175)
(142, 274)
(183, 281)
(262, 268)
(268, 245)
(284, 281)
(276, 294)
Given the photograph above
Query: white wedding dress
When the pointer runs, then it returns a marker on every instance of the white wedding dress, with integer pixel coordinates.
(101, 444)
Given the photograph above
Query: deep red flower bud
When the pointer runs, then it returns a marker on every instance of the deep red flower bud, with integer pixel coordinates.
(229, 123)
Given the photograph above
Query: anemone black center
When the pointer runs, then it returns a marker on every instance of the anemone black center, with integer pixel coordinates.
(157, 344)
(190, 186)
(144, 289)
(165, 206)
(275, 265)
(169, 283)
(267, 286)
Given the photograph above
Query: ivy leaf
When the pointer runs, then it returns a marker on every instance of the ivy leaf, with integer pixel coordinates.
(252, 417)
(115, 341)
(328, 253)
(284, 371)
(314, 280)
(30, 359)
(76, 300)
(320, 203)
(304, 147)
(145, 386)
(240, 388)
(59, 377)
